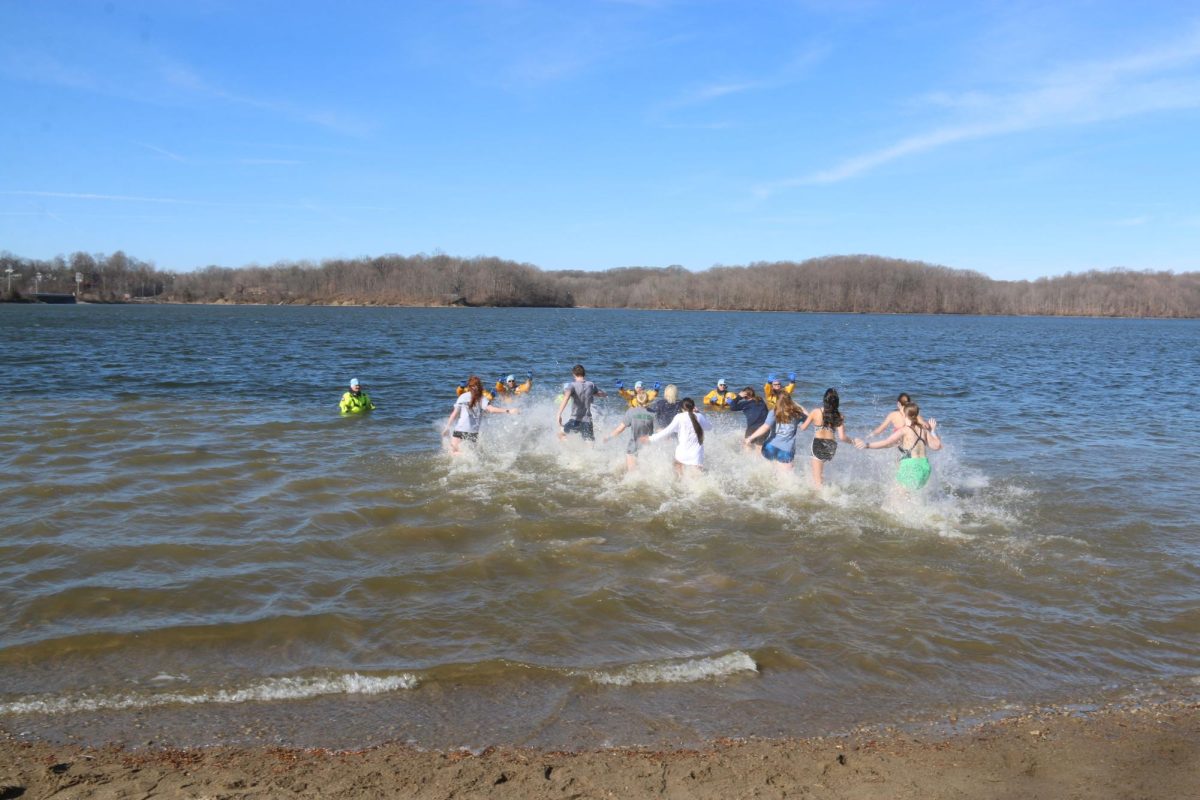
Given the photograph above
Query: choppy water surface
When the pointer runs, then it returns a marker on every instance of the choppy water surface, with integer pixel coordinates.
(195, 546)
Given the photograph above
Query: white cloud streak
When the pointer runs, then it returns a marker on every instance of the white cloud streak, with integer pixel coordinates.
(162, 152)
(1157, 80)
(793, 71)
(125, 198)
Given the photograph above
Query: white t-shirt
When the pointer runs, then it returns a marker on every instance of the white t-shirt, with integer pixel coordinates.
(689, 450)
(469, 418)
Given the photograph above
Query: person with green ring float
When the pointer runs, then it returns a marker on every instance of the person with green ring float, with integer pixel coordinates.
(913, 441)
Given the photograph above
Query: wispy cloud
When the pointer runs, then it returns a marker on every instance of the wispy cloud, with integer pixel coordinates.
(284, 162)
(185, 78)
(159, 79)
(793, 71)
(125, 198)
(89, 196)
(1155, 80)
(162, 152)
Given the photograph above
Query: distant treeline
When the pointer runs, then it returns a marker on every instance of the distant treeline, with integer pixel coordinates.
(834, 283)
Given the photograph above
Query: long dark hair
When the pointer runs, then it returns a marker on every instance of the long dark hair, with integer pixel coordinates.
(475, 387)
(830, 416)
(689, 405)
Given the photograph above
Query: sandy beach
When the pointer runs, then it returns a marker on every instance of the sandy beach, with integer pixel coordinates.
(1149, 751)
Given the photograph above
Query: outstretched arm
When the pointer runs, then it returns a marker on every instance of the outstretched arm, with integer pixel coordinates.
(761, 430)
(882, 427)
(497, 410)
(880, 445)
(808, 419)
(670, 430)
(616, 432)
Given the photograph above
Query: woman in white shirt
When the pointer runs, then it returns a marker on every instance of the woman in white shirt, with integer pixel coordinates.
(689, 427)
(467, 415)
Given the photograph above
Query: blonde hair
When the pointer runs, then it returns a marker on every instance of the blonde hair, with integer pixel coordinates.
(670, 393)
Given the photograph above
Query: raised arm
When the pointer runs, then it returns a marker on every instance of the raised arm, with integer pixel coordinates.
(933, 440)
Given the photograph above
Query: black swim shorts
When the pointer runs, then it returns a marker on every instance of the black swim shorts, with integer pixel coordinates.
(581, 426)
(823, 449)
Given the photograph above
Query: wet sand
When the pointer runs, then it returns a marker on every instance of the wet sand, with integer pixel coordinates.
(1150, 751)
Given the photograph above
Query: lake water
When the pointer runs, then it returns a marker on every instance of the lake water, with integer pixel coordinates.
(196, 547)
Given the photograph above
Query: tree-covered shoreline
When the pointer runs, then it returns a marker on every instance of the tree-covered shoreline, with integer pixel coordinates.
(849, 284)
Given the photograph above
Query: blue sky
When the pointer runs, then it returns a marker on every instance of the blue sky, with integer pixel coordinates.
(1016, 138)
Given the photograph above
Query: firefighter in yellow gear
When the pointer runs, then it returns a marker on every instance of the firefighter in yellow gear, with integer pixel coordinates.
(356, 400)
(719, 398)
(774, 387)
(508, 388)
(639, 395)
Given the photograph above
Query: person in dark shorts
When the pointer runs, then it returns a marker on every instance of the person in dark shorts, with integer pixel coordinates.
(755, 411)
(826, 422)
(780, 427)
(467, 415)
(580, 392)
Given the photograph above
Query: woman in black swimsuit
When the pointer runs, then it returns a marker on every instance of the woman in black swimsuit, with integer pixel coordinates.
(827, 421)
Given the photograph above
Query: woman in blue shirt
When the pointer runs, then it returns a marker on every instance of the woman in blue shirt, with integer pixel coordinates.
(783, 422)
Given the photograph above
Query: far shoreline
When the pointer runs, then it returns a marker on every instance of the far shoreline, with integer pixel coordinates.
(354, 304)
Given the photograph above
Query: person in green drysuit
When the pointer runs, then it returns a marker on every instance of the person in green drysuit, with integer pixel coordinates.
(356, 400)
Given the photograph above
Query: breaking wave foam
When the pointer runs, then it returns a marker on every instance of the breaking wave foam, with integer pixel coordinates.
(690, 671)
(264, 691)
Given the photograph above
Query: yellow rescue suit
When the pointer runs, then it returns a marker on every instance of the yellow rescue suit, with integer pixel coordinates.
(630, 396)
(770, 395)
(718, 399)
(356, 403)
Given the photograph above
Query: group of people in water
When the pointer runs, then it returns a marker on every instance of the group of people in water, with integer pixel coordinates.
(773, 421)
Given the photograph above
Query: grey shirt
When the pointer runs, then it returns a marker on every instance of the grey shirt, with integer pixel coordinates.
(640, 422)
(582, 393)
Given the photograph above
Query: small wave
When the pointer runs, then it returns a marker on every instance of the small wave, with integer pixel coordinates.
(689, 671)
(265, 691)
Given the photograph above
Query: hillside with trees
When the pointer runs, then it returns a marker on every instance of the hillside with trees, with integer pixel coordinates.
(859, 284)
